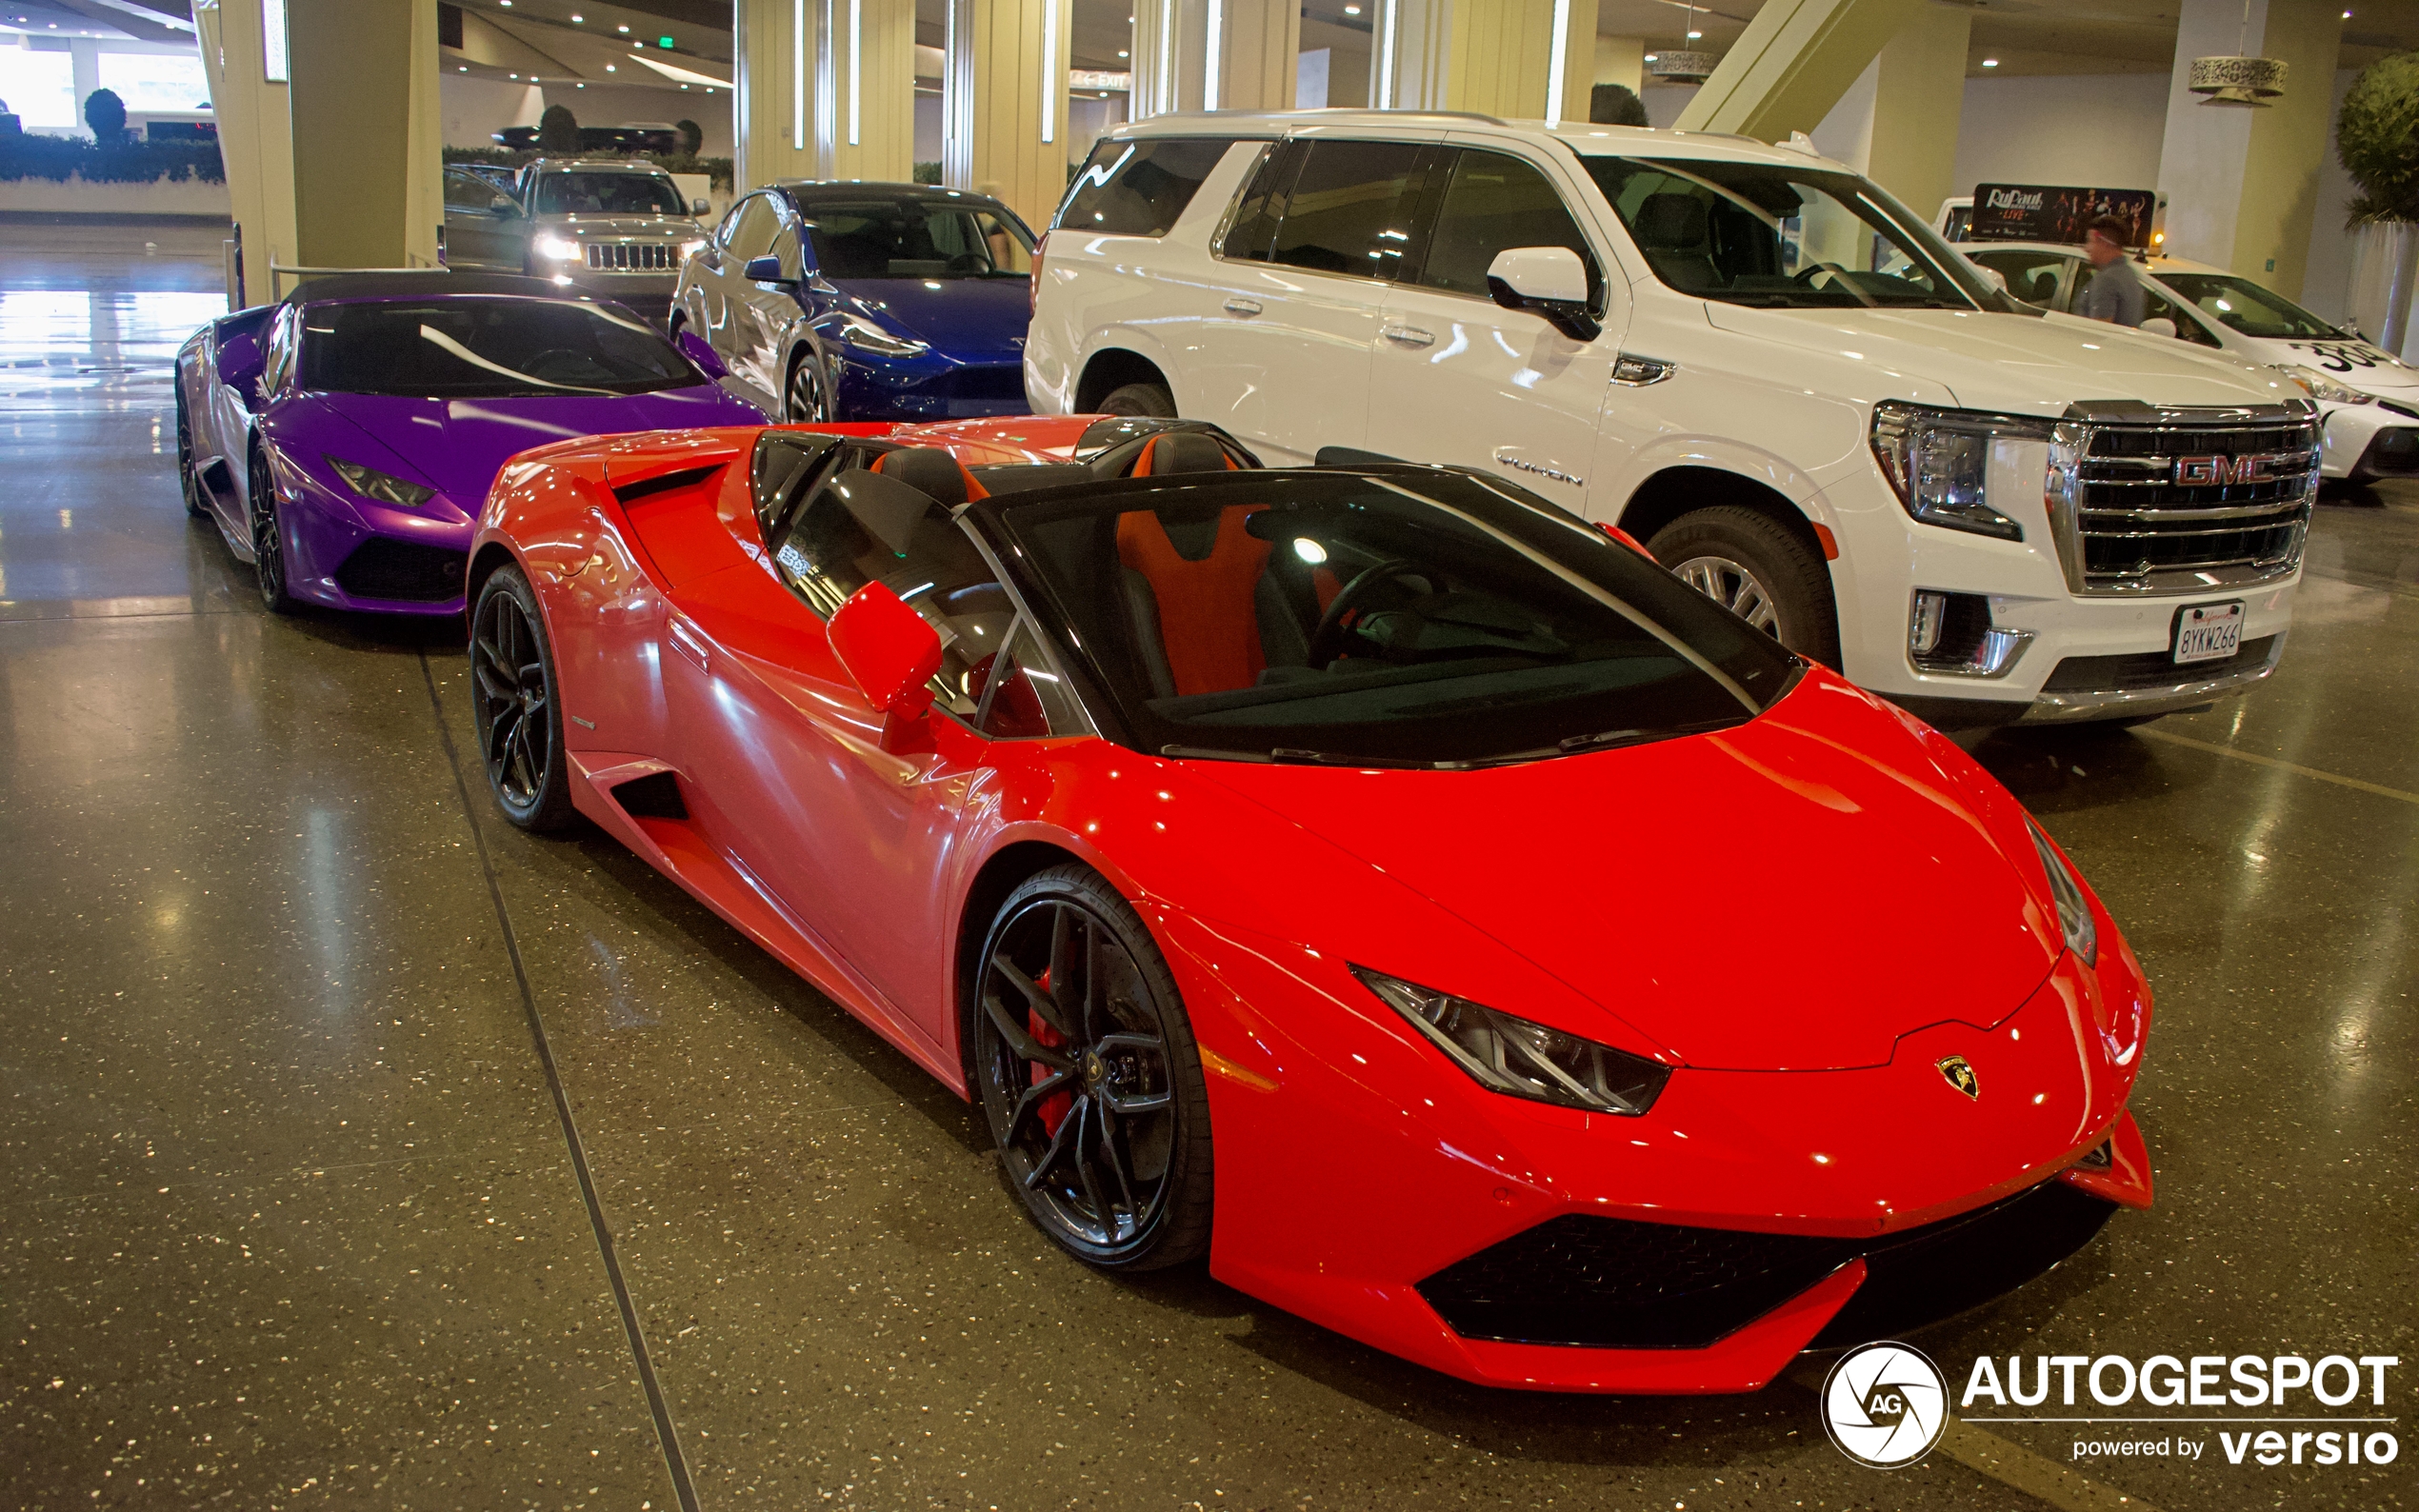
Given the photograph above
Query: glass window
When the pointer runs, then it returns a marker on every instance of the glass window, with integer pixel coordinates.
(157, 81)
(2156, 303)
(2240, 304)
(1021, 696)
(1138, 189)
(1443, 619)
(1349, 209)
(590, 192)
(481, 348)
(1493, 201)
(40, 87)
(2031, 276)
(755, 225)
(856, 527)
(917, 238)
(1255, 227)
(465, 192)
(1780, 237)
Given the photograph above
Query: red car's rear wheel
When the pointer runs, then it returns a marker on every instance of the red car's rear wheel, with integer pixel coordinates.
(1087, 1070)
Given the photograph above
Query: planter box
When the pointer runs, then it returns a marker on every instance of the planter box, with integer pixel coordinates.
(193, 197)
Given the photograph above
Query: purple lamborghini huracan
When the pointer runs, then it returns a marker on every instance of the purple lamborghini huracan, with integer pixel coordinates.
(344, 439)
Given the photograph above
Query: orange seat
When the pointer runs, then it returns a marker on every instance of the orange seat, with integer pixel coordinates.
(1207, 621)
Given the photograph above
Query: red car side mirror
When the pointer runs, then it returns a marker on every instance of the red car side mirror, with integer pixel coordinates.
(888, 651)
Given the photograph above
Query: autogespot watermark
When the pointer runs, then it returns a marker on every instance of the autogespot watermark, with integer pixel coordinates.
(1885, 1406)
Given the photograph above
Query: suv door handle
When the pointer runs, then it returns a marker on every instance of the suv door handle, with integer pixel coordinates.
(1409, 337)
(1243, 307)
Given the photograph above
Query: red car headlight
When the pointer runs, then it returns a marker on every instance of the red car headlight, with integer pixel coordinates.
(1519, 1059)
(2074, 910)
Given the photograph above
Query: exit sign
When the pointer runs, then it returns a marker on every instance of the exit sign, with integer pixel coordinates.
(663, 42)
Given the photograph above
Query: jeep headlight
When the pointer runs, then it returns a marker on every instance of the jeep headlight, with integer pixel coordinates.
(555, 249)
(383, 487)
(1938, 463)
(2318, 385)
(2074, 910)
(866, 336)
(1520, 1058)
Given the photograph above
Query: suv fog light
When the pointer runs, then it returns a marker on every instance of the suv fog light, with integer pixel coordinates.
(1952, 634)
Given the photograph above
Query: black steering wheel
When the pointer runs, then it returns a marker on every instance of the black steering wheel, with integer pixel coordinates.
(1326, 642)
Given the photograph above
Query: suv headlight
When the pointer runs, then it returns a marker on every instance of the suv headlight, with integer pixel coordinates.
(555, 249)
(866, 336)
(1938, 460)
(386, 489)
(2321, 387)
(1520, 1058)
(2074, 910)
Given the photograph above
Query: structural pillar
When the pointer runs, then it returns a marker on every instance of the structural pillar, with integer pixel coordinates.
(822, 88)
(1523, 59)
(1004, 102)
(1622, 61)
(1793, 64)
(328, 125)
(1897, 124)
(1214, 55)
(2240, 182)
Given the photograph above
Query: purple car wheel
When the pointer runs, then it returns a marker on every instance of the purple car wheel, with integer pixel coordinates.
(513, 704)
(268, 539)
(188, 477)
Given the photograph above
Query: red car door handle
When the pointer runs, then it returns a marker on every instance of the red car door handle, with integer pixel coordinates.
(690, 644)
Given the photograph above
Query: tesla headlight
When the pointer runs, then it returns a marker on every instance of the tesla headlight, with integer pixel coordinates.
(867, 336)
(2321, 387)
(556, 248)
(1520, 1058)
(370, 484)
(2074, 910)
(1938, 460)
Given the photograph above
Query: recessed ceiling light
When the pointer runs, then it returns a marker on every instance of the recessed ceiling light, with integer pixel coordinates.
(577, 18)
(1990, 63)
(1351, 10)
(1693, 36)
(608, 67)
(1123, 53)
(625, 30)
(1651, 57)
(461, 68)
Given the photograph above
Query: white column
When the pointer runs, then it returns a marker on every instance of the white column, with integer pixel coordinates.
(1214, 55)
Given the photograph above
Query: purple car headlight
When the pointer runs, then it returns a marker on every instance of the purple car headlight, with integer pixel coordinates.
(382, 487)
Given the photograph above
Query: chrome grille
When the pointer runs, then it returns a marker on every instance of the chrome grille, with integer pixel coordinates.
(632, 257)
(2181, 501)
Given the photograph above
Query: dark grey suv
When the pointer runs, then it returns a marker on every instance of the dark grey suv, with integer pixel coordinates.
(616, 228)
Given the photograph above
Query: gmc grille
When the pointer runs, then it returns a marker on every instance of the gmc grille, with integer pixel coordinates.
(632, 257)
(2179, 501)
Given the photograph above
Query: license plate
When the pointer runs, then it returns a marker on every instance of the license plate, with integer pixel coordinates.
(2208, 632)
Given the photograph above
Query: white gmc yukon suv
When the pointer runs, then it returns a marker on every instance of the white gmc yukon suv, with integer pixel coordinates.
(1748, 357)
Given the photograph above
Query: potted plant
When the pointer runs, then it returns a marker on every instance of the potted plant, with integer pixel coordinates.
(2377, 138)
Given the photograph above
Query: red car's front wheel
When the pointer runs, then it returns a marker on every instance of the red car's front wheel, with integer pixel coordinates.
(1089, 1074)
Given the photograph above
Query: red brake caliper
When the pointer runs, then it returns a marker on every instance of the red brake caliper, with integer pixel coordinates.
(1054, 1108)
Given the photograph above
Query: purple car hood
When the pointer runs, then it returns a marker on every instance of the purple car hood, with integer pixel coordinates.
(458, 444)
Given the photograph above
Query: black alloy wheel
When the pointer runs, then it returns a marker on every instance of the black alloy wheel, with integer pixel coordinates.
(1089, 1077)
(806, 401)
(268, 539)
(513, 704)
(188, 476)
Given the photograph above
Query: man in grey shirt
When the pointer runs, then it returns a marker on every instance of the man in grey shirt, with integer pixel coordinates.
(2115, 291)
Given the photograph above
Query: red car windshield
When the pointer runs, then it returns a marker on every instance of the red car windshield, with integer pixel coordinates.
(1383, 618)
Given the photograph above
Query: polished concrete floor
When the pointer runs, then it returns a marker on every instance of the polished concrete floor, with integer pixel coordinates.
(290, 1214)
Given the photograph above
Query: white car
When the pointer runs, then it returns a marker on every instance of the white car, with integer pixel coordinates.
(1748, 357)
(2367, 399)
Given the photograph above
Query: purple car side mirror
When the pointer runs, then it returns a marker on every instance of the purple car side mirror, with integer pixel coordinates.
(696, 350)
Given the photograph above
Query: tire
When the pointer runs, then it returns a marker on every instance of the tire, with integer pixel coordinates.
(806, 399)
(1094, 1097)
(268, 539)
(514, 703)
(1140, 399)
(1750, 564)
(188, 477)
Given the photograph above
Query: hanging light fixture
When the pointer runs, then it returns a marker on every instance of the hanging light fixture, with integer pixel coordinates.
(2238, 79)
(1682, 64)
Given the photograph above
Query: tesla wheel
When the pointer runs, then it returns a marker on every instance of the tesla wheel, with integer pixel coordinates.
(188, 477)
(1750, 565)
(268, 539)
(513, 703)
(806, 401)
(1089, 1077)
(1140, 399)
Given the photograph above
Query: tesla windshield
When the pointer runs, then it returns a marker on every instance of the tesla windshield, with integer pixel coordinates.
(484, 349)
(917, 238)
(1386, 618)
(590, 193)
(1784, 237)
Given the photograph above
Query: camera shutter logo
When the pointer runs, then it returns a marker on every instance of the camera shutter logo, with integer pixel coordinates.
(1885, 1405)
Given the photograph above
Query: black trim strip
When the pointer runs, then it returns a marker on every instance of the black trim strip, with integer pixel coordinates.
(630, 493)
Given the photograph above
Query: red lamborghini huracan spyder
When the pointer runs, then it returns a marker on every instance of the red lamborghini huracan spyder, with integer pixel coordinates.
(1371, 877)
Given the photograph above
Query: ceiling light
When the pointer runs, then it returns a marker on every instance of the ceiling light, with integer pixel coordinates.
(1123, 53)
(1990, 63)
(1693, 36)
(461, 68)
(1351, 10)
(624, 30)
(608, 67)
(577, 18)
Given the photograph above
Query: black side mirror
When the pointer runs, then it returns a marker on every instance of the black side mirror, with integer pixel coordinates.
(764, 270)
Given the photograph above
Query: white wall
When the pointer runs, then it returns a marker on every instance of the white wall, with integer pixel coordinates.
(476, 110)
(2097, 130)
(2327, 277)
(1664, 102)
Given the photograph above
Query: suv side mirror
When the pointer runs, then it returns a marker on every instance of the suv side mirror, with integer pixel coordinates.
(700, 206)
(764, 270)
(699, 350)
(888, 651)
(504, 209)
(1549, 281)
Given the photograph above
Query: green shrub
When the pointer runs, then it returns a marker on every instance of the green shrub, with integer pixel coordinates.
(105, 114)
(558, 132)
(2377, 138)
(928, 173)
(60, 158)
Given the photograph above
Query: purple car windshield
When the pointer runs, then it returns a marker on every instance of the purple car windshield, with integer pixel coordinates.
(484, 349)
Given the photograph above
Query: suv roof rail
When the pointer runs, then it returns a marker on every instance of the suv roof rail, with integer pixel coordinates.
(1243, 122)
(597, 162)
